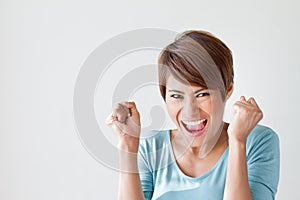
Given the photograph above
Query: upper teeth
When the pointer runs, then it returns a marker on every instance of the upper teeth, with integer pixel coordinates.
(193, 123)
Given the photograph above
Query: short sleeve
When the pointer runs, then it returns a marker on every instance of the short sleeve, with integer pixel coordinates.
(145, 174)
(263, 161)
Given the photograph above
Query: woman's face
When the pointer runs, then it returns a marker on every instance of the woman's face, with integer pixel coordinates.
(196, 111)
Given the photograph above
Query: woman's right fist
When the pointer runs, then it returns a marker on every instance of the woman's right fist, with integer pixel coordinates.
(125, 123)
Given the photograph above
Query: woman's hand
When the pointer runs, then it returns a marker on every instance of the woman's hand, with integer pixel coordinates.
(246, 115)
(125, 123)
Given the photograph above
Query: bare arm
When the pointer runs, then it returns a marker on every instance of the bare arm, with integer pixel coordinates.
(125, 123)
(246, 116)
(130, 187)
(129, 180)
(237, 186)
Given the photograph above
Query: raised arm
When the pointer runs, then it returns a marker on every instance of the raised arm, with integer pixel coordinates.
(245, 117)
(125, 123)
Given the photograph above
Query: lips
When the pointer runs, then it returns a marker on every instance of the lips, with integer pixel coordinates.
(194, 127)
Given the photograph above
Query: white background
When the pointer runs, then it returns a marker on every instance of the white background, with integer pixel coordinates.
(43, 45)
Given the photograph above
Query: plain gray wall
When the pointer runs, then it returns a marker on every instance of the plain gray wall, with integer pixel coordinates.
(43, 45)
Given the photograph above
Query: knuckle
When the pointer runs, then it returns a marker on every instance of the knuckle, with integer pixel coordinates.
(131, 102)
(119, 105)
(117, 108)
(236, 105)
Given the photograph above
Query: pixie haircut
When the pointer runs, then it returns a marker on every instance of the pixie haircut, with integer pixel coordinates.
(196, 58)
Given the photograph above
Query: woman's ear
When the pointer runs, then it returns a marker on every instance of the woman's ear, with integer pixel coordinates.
(229, 91)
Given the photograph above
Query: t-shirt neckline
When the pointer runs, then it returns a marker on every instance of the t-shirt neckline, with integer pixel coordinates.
(221, 159)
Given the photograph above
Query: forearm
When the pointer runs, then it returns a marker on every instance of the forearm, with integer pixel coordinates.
(129, 180)
(237, 185)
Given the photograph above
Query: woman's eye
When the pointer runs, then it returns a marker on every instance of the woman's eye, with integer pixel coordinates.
(203, 94)
(176, 96)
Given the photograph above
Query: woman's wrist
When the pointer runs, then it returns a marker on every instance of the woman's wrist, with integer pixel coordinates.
(236, 143)
(128, 153)
(130, 146)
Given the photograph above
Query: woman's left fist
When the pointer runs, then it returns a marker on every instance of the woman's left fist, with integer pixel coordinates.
(246, 115)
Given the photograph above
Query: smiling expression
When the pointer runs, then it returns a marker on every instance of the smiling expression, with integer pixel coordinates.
(196, 111)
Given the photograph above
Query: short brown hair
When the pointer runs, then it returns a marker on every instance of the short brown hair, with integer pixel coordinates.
(198, 58)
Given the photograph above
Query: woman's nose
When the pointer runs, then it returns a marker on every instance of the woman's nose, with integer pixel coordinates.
(191, 109)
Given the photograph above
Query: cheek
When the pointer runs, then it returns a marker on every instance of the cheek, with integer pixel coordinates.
(173, 108)
(217, 108)
(206, 106)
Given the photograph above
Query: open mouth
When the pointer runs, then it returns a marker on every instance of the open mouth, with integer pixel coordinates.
(195, 127)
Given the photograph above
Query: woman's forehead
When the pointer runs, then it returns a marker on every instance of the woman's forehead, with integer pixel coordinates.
(174, 84)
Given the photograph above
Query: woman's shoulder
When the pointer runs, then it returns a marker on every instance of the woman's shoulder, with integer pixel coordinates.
(154, 140)
(261, 131)
(262, 137)
(155, 150)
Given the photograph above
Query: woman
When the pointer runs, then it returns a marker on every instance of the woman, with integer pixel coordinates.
(205, 157)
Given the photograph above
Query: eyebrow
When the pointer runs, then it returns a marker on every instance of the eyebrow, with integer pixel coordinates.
(178, 91)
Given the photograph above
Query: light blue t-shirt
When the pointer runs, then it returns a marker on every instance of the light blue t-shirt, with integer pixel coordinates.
(162, 179)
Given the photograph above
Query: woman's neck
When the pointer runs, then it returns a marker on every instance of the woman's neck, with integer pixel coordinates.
(181, 145)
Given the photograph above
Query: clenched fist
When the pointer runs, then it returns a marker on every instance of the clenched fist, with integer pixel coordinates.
(125, 123)
(246, 115)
